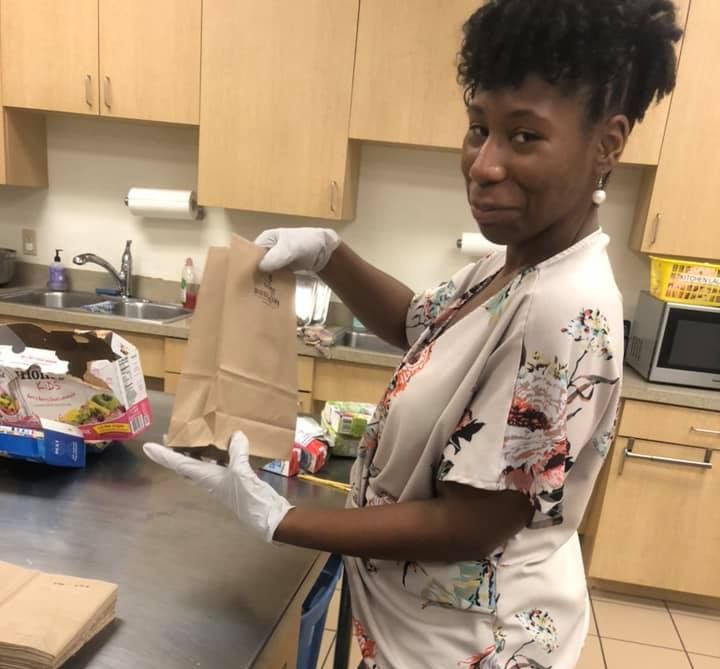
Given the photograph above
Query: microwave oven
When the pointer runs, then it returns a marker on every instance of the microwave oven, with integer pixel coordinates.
(675, 343)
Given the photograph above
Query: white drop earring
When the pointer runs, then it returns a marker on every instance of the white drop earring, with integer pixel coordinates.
(599, 195)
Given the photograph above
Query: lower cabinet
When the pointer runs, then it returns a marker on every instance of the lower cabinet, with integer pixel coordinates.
(305, 402)
(171, 380)
(658, 524)
(347, 381)
(319, 380)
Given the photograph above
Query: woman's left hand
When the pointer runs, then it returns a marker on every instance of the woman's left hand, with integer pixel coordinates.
(253, 501)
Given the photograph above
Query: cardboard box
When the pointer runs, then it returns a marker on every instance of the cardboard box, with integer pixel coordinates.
(58, 389)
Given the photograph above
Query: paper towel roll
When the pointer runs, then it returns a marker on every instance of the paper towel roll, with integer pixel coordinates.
(163, 203)
(475, 245)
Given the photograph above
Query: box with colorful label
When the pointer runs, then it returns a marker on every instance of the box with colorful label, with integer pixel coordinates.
(341, 445)
(53, 443)
(86, 384)
(313, 449)
(347, 418)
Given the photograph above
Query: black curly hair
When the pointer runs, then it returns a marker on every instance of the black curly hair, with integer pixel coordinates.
(619, 52)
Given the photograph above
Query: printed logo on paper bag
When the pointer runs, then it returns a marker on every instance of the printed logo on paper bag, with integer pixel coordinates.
(267, 293)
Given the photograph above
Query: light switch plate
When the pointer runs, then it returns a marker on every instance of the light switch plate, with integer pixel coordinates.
(29, 245)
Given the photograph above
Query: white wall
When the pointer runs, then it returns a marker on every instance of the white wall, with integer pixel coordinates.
(411, 206)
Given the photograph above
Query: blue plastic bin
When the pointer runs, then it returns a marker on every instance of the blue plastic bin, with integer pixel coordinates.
(314, 613)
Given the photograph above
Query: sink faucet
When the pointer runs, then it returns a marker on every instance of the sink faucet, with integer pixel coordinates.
(123, 277)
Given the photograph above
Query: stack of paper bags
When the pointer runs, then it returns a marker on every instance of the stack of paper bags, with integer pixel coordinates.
(46, 618)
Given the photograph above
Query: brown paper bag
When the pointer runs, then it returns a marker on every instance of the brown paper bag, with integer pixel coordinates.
(240, 369)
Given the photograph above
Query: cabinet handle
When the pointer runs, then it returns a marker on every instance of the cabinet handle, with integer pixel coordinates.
(702, 430)
(656, 228)
(108, 93)
(628, 453)
(88, 90)
(334, 192)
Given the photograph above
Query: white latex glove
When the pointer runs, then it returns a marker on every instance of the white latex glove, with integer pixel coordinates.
(297, 248)
(253, 501)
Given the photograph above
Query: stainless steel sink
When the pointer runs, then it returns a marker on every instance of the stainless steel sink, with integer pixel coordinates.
(141, 310)
(365, 341)
(76, 300)
(53, 299)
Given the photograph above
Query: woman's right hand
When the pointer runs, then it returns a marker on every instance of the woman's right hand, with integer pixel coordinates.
(297, 248)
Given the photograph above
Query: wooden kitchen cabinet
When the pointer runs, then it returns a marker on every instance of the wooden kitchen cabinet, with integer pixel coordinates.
(348, 381)
(174, 354)
(123, 58)
(659, 523)
(646, 139)
(275, 106)
(405, 88)
(150, 60)
(678, 206)
(23, 148)
(50, 54)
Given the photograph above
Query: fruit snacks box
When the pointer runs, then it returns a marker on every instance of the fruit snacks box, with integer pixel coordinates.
(90, 381)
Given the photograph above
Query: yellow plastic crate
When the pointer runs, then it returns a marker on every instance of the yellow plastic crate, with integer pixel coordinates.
(685, 281)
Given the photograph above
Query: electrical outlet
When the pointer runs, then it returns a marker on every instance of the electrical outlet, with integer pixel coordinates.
(29, 245)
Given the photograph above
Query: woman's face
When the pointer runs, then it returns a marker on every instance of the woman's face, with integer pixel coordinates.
(530, 161)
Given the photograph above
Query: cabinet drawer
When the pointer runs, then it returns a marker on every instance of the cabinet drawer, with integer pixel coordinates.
(679, 425)
(151, 352)
(348, 382)
(305, 372)
(174, 354)
(304, 402)
(660, 522)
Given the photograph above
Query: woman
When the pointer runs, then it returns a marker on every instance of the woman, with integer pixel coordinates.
(474, 474)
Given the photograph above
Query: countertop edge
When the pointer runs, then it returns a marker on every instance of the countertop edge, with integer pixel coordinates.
(178, 329)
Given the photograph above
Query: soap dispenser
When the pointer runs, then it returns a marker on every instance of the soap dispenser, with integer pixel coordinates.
(57, 274)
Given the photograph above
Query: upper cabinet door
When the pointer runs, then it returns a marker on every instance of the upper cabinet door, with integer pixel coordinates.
(150, 59)
(406, 88)
(681, 219)
(50, 54)
(275, 106)
(646, 139)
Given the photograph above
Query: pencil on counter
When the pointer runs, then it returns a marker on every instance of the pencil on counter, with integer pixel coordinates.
(331, 484)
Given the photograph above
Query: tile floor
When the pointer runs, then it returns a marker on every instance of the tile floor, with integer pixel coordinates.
(626, 633)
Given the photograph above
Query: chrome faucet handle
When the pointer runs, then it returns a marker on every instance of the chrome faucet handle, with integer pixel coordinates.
(126, 269)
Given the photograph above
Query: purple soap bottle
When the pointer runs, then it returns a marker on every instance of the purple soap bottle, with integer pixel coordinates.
(57, 274)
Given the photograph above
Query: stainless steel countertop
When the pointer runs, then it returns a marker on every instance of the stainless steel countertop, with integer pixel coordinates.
(196, 590)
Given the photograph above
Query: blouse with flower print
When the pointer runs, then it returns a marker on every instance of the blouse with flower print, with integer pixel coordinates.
(520, 394)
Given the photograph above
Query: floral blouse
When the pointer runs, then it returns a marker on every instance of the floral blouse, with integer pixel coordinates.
(520, 394)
